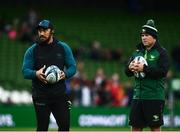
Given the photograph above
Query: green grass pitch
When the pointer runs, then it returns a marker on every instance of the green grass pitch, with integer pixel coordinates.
(94, 129)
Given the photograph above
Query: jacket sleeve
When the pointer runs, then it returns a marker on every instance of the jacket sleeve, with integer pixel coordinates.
(162, 66)
(127, 71)
(28, 64)
(70, 64)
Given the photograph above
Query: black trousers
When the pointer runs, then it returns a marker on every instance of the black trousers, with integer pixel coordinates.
(60, 108)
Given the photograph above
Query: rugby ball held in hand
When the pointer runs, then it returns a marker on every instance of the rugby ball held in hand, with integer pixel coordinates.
(52, 74)
(143, 61)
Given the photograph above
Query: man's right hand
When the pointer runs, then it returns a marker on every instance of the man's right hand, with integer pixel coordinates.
(40, 75)
(133, 66)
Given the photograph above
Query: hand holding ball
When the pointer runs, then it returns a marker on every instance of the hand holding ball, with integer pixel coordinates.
(53, 74)
(139, 60)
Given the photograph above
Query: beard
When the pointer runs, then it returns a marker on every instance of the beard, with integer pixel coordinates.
(43, 39)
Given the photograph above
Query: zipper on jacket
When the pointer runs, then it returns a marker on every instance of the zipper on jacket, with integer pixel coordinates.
(140, 90)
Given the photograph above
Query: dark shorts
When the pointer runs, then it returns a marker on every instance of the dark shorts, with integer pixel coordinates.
(146, 113)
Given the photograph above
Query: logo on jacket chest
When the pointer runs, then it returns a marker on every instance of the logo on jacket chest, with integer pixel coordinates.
(151, 58)
(59, 56)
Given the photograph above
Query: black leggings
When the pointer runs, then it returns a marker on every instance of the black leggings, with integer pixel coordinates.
(59, 108)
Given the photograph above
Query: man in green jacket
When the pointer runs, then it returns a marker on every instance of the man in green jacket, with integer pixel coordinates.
(149, 97)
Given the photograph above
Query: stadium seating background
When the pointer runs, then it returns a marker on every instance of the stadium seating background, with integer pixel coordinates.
(114, 28)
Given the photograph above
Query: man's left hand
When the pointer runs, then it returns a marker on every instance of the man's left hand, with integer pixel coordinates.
(61, 75)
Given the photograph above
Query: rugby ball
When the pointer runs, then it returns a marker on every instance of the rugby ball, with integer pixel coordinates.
(52, 74)
(143, 61)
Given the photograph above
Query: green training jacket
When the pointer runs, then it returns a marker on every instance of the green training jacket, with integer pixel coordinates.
(152, 86)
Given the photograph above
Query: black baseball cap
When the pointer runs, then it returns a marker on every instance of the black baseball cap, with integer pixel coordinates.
(45, 24)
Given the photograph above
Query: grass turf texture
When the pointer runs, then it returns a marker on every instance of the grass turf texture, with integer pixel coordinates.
(88, 129)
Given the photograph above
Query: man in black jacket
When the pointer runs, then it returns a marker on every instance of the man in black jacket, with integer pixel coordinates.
(48, 97)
